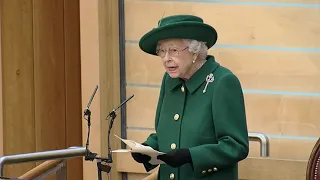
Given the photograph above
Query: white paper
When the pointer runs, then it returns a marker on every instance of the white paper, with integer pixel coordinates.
(139, 148)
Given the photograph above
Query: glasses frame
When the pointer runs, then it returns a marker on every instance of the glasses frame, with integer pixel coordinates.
(168, 52)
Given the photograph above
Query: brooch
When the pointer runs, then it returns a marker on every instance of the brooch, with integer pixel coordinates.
(209, 79)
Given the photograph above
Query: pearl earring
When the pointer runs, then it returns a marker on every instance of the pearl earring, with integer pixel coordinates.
(193, 61)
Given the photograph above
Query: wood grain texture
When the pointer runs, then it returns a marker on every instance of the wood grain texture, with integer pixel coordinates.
(73, 119)
(256, 69)
(89, 42)
(236, 24)
(49, 66)
(100, 66)
(40, 69)
(18, 82)
(109, 76)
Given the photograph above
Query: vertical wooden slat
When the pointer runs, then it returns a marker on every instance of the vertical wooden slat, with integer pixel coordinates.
(18, 83)
(100, 65)
(109, 75)
(49, 74)
(90, 78)
(73, 84)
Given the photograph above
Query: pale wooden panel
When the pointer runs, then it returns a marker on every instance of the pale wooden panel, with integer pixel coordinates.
(249, 169)
(109, 75)
(275, 169)
(279, 148)
(271, 114)
(256, 69)
(100, 66)
(243, 24)
(141, 110)
(49, 66)
(89, 42)
(73, 84)
(283, 114)
(136, 176)
(18, 83)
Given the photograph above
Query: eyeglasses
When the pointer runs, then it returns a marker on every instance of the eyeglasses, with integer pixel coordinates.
(173, 52)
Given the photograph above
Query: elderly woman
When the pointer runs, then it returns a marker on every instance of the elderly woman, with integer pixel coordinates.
(200, 121)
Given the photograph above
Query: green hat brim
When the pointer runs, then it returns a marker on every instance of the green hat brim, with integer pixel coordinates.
(183, 30)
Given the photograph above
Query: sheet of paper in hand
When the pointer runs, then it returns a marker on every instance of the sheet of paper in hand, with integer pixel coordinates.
(139, 148)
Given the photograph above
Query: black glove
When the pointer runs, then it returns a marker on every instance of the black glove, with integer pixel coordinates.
(177, 157)
(140, 158)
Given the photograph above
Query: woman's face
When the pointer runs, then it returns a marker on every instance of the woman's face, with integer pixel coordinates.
(176, 58)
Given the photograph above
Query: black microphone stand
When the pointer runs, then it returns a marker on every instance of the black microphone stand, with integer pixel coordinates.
(90, 156)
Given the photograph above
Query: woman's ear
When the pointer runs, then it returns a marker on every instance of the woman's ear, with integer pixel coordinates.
(194, 57)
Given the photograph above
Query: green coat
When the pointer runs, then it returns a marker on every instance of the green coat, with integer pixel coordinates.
(211, 124)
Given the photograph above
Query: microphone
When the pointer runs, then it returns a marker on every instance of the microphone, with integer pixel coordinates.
(112, 115)
(89, 155)
(87, 111)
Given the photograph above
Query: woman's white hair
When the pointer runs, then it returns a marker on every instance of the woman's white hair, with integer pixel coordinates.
(197, 47)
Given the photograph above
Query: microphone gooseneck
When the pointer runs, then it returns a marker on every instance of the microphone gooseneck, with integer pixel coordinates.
(90, 156)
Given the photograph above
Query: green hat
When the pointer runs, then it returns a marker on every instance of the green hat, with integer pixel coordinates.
(180, 27)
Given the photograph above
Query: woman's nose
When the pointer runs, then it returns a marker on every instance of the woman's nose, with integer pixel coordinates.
(166, 56)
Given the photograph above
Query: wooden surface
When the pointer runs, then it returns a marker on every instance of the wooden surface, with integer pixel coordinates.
(18, 82)
(72, 80)
(40, 169)
(100, 66)
(40, 56)
(287, 27)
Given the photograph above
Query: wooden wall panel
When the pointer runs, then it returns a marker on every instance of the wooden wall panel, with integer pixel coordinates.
(41, 79)
(18, 82)
(136, 176)
(100, 66)
(287, 27)
(109, 77)
(256, 69)
(89, 79)
(49, 74)
(73, 84)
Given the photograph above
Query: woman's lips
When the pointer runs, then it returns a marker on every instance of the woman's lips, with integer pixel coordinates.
(172, 69)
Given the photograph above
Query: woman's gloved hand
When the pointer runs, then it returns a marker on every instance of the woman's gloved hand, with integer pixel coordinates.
(177, 157)
(140, 158)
